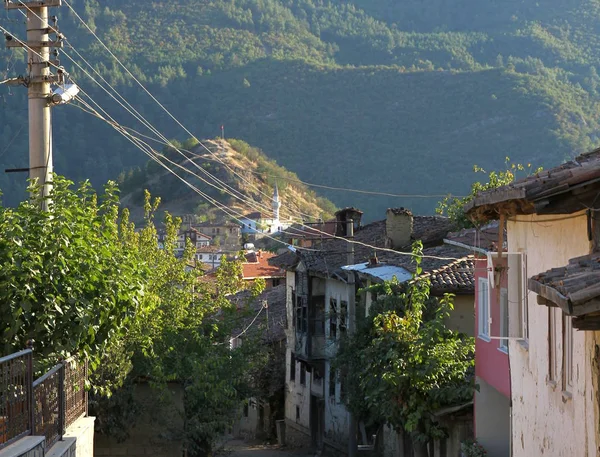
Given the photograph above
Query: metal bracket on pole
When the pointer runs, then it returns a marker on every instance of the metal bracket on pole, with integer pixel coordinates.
(10, 43)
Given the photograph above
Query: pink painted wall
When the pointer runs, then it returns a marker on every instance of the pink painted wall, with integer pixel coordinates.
(491, 364)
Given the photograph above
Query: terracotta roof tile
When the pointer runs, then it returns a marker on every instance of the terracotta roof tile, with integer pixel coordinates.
(259, 267)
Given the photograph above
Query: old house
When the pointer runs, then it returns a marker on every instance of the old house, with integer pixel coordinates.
(322, 305)
(553, 301)
(225, 234)
(267, 321)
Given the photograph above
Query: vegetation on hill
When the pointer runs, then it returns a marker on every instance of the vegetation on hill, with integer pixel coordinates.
(231, 172)
(401, 97)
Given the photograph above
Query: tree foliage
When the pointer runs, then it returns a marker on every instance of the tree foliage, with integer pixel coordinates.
(68, 279)
(81, 278)
(453, 207)
(403, 363)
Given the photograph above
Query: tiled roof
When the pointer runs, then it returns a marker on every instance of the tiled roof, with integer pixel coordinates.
(450, 275)
(257, 266)
(456, 277)
(575, 288)
(271, 324)
(534, 194)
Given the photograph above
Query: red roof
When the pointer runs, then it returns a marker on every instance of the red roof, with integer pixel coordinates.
(257, 266)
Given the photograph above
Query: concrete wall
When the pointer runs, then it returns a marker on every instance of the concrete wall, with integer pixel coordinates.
(547, 421)
(462, 318)
(492, 420)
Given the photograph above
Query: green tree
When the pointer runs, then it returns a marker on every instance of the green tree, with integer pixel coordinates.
(453, 206)
(68, 279)
(403, 364)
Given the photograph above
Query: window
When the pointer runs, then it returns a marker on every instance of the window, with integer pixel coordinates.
(293, 367)
(552, 360)
(343, 316)
(297, 413)
(302, 315)
(245, 409)
(331, 382)
(567, 353)
(293, 307)
(523, 292)
(333, 318)
(302, 373)
(218, 230)
(504, 319)
(483, 310)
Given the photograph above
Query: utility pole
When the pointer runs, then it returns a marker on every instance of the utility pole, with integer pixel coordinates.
(352, 428)
(38, 82)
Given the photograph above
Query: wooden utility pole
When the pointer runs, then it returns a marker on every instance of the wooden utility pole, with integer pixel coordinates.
(38, 82)
(352, 426)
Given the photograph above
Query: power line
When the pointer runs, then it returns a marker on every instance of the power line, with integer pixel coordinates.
(155, 156)
(147, 91)
(233, 192)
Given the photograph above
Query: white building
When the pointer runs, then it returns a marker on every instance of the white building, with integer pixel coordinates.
(554, 302)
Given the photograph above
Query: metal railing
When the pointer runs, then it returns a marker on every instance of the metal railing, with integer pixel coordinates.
(46, 406)
(16, 388)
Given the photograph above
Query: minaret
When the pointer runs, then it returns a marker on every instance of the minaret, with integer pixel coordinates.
(276, 206)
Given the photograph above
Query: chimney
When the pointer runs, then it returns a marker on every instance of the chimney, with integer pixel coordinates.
(345, 215)
(399, 227)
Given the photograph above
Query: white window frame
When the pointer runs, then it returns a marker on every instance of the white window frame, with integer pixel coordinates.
(483, 309)
(552, 346)
(567, 372)
(504, 320)
(521, 304)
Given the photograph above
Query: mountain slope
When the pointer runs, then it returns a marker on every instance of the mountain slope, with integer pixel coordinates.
(400, 97)
(231, 172)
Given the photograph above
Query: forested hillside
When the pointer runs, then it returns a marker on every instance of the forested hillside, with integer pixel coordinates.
(400, 97)
(232, 173)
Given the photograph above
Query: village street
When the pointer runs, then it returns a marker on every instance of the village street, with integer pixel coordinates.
(238, 448)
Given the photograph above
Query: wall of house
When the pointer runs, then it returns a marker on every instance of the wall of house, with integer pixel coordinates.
(297, 432)
(336, 415)
(297, 406)
(492, 420)
(247, 424)
(491, 362)
(462, 318)
(547, 421)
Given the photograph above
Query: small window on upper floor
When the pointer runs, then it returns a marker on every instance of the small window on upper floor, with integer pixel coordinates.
(567, 354)
(483, 309)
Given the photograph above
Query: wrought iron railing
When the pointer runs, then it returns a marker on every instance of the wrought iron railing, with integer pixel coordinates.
(48, 397)
(76, 400)
(46, 406)
(16, 388)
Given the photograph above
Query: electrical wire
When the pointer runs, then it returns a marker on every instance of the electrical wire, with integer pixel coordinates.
(131, 110)
(231, 191)
(144, 147)
(135, 142)
(149, 93)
